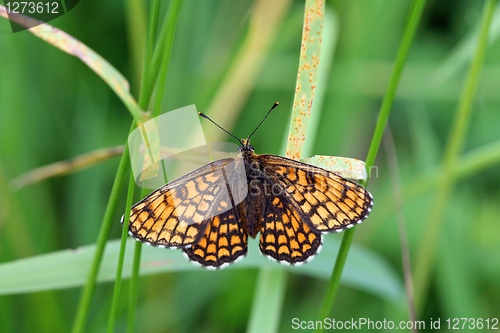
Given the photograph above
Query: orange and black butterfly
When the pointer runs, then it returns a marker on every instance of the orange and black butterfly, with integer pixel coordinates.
(209, 214)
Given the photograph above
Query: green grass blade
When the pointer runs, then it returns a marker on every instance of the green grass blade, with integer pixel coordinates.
(415, 14)
(69, 44)
(146, 91)
(273, 282)
(394, 170)
(165, 41)
(153, 22)
(458, 59)
(425, 256)
(172, 15)
(121, 256)
(136, 31)
(334, 282)
(106, 226)
(134, 283)
(154, 14)
(307, 77)
(365, 270)
(269, 294)
(468, 165)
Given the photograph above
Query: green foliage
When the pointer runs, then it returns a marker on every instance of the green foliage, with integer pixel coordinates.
(53, 107)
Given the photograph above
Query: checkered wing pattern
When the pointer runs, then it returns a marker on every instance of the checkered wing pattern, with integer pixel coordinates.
(284, 237)
(295, 203)
(177, 214)
(224, 242)
(323, 200)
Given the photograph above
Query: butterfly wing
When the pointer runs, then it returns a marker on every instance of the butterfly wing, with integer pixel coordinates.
(224, 242)
(324, 200)
(284, 237)
(177, 214)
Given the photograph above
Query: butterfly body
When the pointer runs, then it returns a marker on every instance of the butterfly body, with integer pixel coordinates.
(210, 212)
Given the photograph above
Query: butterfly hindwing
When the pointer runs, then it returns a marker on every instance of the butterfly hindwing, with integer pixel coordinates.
(284, 236)
(224, 242)
(177, 214)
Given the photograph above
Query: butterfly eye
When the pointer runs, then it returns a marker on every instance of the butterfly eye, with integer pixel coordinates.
(251, 147)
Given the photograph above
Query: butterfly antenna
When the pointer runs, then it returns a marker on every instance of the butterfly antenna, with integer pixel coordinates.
(275, 105)
(201, 114)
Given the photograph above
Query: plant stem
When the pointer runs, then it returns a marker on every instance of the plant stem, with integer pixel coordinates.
(154, 14)
(119, 269)
(106, 226)
(393, 168)
(164, 43)
(145, 95)
(425, 258)
(152, 28)
(268, 300)
(135, 11)
(134, 282)
(412, 21)
(414, 16)
(333, 284)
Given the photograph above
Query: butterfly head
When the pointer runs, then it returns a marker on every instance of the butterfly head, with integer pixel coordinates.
(246, 148)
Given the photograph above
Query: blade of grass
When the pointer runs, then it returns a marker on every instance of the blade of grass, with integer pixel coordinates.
(106, 226)
(170, 24)
(94, 61)
(366, 270)
(307, 77)
(152, 28)
(172, 15)
(146, 92)
(329, 38)
(467, 166)
(84, 161)
(134, 279)
(121, 256)
(426, 253)
(329, 43)
(136, 30)
(273, 282)
(272, 300)
(247, 64)
(270, 290)
(462, 54)
(64, 167)
(164, 42)
(412, 21)
(134, 283)
(393, 166)
(154, 14)
(268, 304)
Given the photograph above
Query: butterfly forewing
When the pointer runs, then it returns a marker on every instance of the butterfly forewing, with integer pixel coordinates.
(177, 214)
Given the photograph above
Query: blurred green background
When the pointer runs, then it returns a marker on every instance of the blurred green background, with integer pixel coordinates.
(53, 107)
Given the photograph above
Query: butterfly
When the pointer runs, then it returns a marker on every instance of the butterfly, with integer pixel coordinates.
(210, 212)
